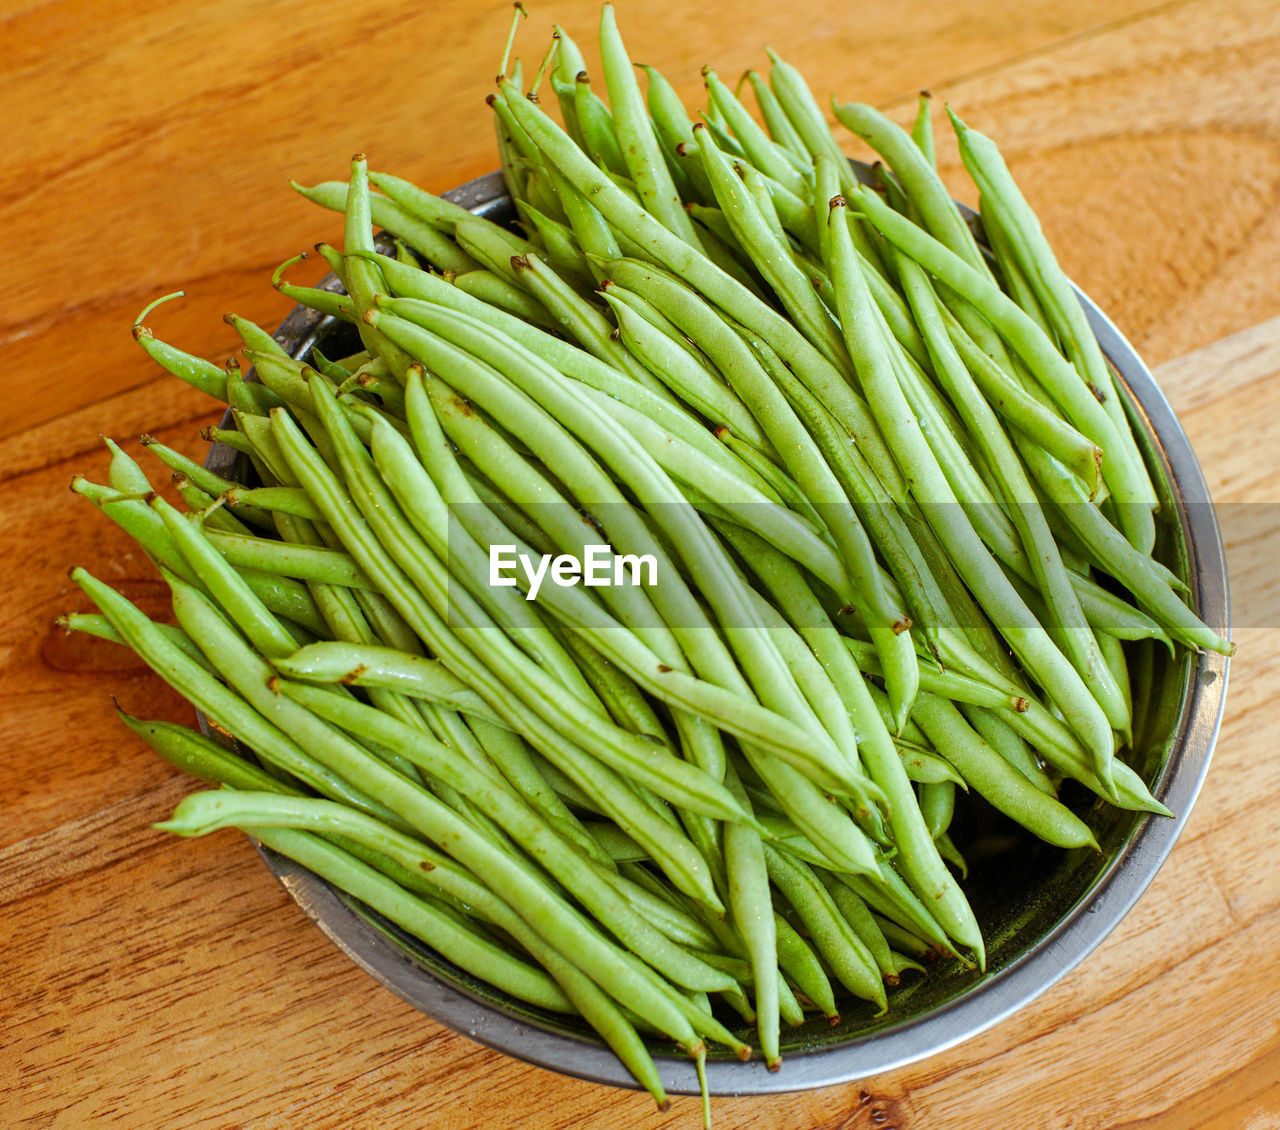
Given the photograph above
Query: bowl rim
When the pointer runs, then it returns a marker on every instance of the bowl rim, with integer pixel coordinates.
(988, 1000)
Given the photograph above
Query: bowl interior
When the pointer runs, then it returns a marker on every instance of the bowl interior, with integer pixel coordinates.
(1028, 897)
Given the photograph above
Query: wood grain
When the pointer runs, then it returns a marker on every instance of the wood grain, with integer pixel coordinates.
(150, 982)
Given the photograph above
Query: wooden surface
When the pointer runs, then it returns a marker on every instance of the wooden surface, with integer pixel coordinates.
(148, 982)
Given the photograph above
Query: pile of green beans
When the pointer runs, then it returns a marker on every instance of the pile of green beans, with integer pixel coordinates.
(902, 531)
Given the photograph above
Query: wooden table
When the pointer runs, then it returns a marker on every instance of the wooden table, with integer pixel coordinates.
(149, 982)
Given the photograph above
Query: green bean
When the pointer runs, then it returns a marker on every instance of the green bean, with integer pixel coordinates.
(124, 474)
(924, 869)
(1025, 635)
(534, 686)
(1001, 737)
(227, 586)
(418, 288)
(281, 595)
(672, 685)
(751, 905)
(1118, 557)
(311, 563)
(862, 922)
(558, 247)
(998, 781)
(763, 153)
(425, 919)
(800, 109)
(950, 685)
(798, 961)
(548, 438)
(788, 436)
(194, 682)
(937, 806)
(1040, 548)
(775, 479)
(440, 213)
(492, 288)
(823, 378)
(832, 935)
(251, 677)
(680, 372)
(1032, 251)
(501, 803)
(892, 899)
(767, 251)
(674, 129)
(245, 396)
(922, 128)
(422, 236)
(1124, 477)
(195, 371)
(919, 181)
(514, 760)
(1059, 746)
(651, 897)
(580, 319)
(925, 768)
(595, 123)
(428, 513)
(211, 513)
(200, 817)
(95, 624)
(371, 665)
(611, 790)
(641, 155)
(780, 128)
(203, 757)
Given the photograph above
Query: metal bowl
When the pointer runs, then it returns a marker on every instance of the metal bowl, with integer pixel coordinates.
(1042, 910)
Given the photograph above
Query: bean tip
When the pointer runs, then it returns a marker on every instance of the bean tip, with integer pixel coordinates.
(926, 94)
(491, 99)
(774, 1064)
(582, 77)
(273, 684)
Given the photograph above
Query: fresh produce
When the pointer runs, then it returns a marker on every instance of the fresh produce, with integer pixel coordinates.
(631, 609)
